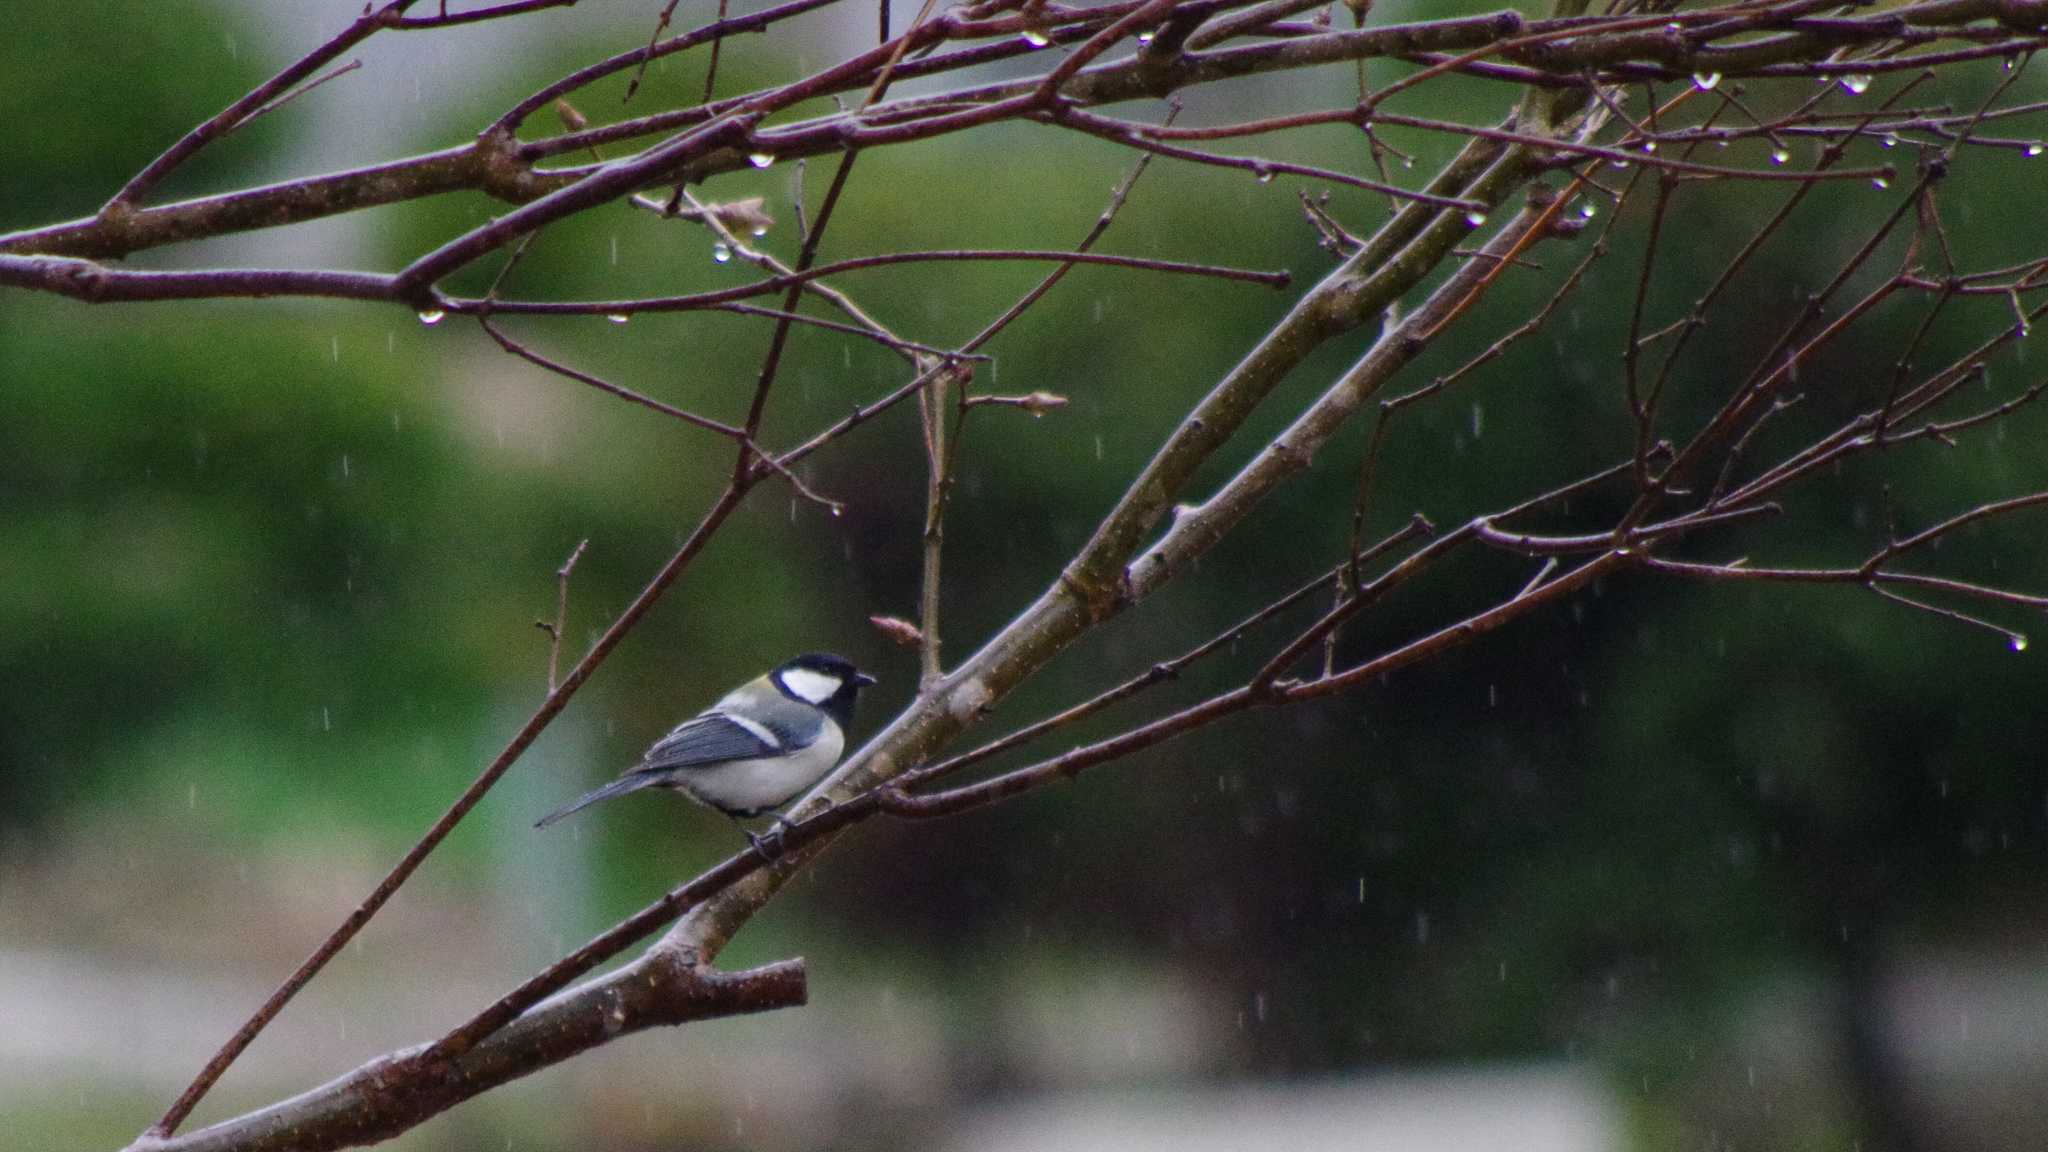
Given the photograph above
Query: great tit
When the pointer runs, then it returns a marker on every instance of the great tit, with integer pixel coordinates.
(766, 741)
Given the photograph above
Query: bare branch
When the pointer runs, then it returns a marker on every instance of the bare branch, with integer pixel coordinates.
(554, 629)
(372, 1103)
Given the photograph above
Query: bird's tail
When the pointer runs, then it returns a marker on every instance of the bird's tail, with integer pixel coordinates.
(619, 787)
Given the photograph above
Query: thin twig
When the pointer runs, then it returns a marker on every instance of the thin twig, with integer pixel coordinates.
(554, 628)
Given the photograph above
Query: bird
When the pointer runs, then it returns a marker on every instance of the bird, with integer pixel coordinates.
(761, 745)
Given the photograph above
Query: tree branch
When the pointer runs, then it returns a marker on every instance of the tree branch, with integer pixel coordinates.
(661, 989)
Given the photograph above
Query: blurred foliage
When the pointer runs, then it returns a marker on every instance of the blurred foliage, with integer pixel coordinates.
(93, 94)
(274, 567)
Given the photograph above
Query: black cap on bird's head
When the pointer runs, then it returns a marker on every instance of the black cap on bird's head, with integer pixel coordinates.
(824, 680)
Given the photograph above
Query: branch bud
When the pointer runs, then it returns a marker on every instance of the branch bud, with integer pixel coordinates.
(899, 631)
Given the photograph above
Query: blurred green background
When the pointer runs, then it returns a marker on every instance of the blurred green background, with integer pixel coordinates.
(1746, 866)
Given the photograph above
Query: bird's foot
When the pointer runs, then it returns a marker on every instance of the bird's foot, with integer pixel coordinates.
(769, 843)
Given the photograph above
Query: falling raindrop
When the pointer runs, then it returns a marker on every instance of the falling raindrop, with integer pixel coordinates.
(1476, 218)
(1478, 419)
(618, 317)
(1857, 83)
(1037, 39)
(1779, 155)
(615, 251)
(432, 316)
(334, 349)
(721, 252)
(1705, 81)
(1098, 445)
(761, 159)
(326, 720)
(390, 340)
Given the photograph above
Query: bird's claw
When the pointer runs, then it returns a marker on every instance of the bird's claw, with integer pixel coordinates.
(769, 843)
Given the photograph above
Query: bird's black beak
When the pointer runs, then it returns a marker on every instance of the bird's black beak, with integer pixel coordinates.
(862, 680)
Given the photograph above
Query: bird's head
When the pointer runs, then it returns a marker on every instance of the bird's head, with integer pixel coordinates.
(823, 680)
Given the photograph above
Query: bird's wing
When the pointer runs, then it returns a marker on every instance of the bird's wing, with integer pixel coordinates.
(713, 738)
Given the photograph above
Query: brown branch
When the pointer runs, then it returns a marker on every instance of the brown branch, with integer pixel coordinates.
(394, 1093)
(295, 93)
(1159, 673)
(447, 19)
(254, 101)
(498, 164)
(521, 350)
(864, 323)
(555, 628)
(794, 279)
(940, 448)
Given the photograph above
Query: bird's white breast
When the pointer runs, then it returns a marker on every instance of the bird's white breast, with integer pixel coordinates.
(769, 782)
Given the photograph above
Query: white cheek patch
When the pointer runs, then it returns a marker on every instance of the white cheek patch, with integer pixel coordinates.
(816, 687)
